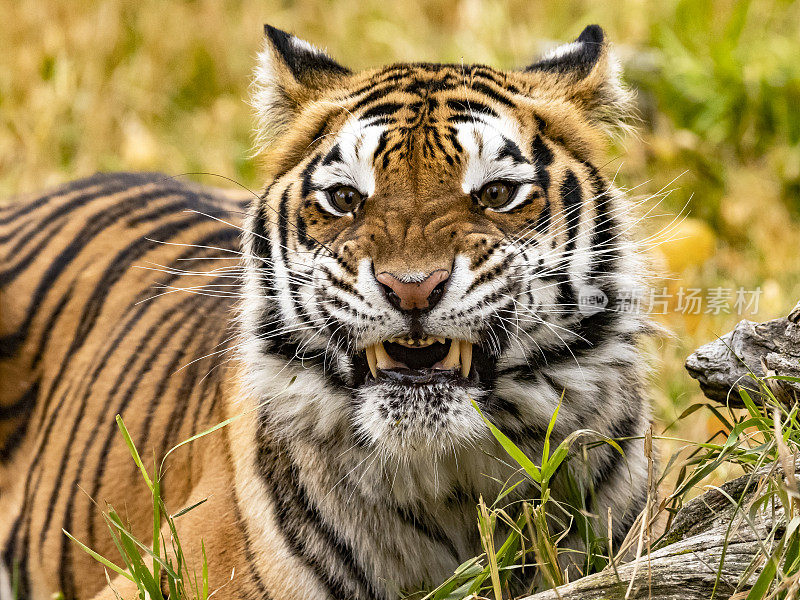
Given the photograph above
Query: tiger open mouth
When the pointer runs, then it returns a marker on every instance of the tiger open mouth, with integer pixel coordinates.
(420, 357)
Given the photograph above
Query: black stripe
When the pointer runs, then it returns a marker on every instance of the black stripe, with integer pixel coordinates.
(491, 273)
(494, 94)
(208, 399)
(334, 155)
(50, 324)
(464, 118)
(542, 158)
(511, 150)
(381, 145)
(377, 92)
(302, 233)
(283, 224)
(283, 229)
(571, 198)
(543, 221)
(22, 230)
(430, 529)
(261, 246)
(263, 594)
(66, 576)
(23, 408)
(471, 106)
(339, 283)
(305, 531)
(15, 557)
(605, 253)
(305, 177)
(381, 110)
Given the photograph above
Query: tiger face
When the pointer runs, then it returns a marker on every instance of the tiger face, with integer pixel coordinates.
(428, 230)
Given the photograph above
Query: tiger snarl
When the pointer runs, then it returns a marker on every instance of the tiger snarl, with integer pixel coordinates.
(432, 238)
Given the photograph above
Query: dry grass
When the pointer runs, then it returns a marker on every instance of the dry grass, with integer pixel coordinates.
(145, 84)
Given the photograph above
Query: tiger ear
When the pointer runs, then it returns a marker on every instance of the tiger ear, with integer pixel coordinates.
(587, 74)
(290, 73)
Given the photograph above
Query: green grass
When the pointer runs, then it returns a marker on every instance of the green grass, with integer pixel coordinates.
(522, 538)
(764, 434)
(146, 84)
(147, 562)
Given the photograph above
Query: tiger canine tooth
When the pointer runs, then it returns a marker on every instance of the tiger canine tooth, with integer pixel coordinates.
(372, 361)
(466, 357)
(440, 339)
(453, 357)
(382, 359)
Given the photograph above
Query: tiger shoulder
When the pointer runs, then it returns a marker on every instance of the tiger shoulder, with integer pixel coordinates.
(424, 241)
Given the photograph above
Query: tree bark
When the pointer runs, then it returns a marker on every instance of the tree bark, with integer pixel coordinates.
(771, 348)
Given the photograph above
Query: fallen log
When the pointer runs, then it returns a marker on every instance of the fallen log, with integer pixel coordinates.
(772, 348)
(686, 564)
(713, 545)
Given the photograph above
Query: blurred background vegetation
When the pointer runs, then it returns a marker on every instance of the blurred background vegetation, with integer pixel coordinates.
(159, 85)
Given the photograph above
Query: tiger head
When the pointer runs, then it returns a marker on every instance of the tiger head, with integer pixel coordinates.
(427, 229)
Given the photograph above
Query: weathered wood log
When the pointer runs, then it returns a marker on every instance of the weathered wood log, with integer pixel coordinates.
(686, 564)
(770, 348)
(712, 543)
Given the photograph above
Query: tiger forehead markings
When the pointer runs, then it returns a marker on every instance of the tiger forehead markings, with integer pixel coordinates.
(427, 239)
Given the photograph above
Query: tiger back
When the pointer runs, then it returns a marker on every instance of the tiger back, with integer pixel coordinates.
(97, 318)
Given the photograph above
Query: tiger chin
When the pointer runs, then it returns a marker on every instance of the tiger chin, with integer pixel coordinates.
(420, 258)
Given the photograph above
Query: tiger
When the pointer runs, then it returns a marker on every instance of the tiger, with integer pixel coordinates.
(434, 244)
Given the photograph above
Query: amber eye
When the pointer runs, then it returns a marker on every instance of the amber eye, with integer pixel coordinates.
(345, 198)
(496, 194)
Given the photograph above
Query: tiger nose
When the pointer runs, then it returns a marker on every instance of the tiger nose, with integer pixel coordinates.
(414, 295)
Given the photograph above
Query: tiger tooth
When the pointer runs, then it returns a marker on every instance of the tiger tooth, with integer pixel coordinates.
(382, 359)
(466, 357)
(440, 339)
(453, 357)
(372, 361)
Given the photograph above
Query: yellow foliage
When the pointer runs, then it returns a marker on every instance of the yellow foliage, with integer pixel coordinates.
(690, 243)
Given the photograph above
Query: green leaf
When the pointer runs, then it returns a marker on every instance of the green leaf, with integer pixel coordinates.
(131, 544)
(761, 587)
(101, 559)
(185, 510)
(550, 426)
(134, 453)
(513, 451)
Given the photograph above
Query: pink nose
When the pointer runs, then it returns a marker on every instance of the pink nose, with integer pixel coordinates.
(415, 295)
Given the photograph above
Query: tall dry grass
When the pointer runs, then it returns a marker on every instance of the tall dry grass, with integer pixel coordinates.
(158, 85)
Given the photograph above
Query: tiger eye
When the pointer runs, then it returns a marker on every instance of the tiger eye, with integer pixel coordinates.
(346, 198)
(496, 194)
